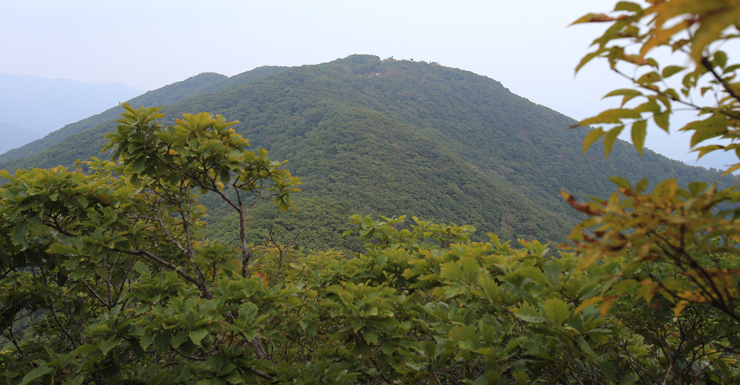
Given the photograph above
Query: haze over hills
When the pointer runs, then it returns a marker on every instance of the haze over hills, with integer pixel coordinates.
(63, 101)
(170, 94)
(14, 136)
(390, 137)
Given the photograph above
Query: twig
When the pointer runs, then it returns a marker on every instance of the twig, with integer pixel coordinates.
(282, 254)
(202, 287)
(15, 342)
(94, 293)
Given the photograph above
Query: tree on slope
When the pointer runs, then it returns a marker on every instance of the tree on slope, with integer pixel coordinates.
(106, 280)
(111, 261)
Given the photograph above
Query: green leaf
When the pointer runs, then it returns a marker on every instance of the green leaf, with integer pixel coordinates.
(590, 18)
(141, 308)
(489, 287)
(357, 324)
(370, 337)
(592, 137)
(513, 344)
(621, 182)
(197, 335)
(179, 339)
(649, 78)
(61, 249)
(34, 374)
(163, 342)
(140, 267)
(707, 149)
(187, 348)
(531, 319)
(587, 58)
(453, 291)
(585, 348)
(613, 116)
(711, 28)
(381, 260)
(464, 333)
(706, 129)
(85, 349)
(639, 130)
(556, 310)
(146, 341)
(79, 273)
(627, 93)
(666, 189)
(109, 344)
(661, 119)
(731, 169)
(627, 6)
(19, 234)
(136, 348)
(610, 139)
(671, 70)
(76, 380)
(138, 164)
(552, 272)
(629, 379)
(623, 92)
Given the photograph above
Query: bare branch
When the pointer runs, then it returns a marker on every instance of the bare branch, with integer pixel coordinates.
(282, 253)
(169, 235)
(705, 62)
(207, 293)
(95, 294)
(61, 326)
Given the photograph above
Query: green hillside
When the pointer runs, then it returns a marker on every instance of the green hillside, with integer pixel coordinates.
(170, 94)
(390, 137)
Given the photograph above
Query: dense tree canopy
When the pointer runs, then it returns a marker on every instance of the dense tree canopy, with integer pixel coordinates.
(107, 275)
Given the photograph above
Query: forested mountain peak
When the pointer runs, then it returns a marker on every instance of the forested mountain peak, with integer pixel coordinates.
(395, 137)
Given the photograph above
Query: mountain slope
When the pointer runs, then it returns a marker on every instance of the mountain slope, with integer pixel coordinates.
(62, 100)
(170, 94)
(15, 136)
(397, 137)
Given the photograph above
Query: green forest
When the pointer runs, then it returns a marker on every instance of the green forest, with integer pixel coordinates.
(381, 221)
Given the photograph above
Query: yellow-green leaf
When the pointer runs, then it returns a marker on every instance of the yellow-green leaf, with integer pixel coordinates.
(671, 70)
(610, 139)
(592, 137)
(639, 130)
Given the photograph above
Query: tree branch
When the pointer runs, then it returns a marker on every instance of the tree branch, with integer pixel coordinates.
(705, 62)
(164, 263)
(282, 253)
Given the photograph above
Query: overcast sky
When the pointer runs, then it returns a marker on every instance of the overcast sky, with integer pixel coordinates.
(524, 44)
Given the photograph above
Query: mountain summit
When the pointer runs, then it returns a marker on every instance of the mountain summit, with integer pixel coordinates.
(390, 137)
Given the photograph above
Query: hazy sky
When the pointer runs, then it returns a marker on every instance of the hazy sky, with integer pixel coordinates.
(524, 44)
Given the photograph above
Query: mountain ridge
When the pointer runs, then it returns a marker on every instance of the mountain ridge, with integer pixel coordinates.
(170, 94)
(396, 137)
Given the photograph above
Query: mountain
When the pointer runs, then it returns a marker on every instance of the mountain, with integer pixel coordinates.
(15, 136)
(389, 137)
(170, 94)
(62, 100)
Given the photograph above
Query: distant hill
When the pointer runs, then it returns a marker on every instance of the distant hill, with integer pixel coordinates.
(170, 94)
(390, 137)
(62, 100)
(14, 136)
